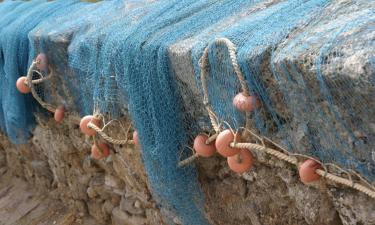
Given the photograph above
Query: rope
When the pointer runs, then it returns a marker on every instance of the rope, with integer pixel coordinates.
(211, 139)
(108, 138)
(187, 160)
(204, 71)
(40, 80)
(346, 182)
(31, 83)
(232, 55)
(329, 176)
(270, 151)
(211, 114)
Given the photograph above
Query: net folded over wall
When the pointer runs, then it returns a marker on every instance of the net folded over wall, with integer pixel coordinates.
(310, 62)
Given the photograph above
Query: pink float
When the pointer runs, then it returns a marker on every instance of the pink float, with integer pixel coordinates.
(101, 153)
(135, 138)
(223, 141)
(85, 121)
(203, 149)
(22, 86)
(41, 62)
(59, 114)
(245, 103)
(307, 172)
(241, 162)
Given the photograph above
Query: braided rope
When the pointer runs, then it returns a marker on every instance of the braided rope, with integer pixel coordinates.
(270, 151)
(30, 84)
(108, 138)
(329, 176)
(204, 71)
(232, 55)
(187, 160)
(211, 114)
(40, 80)
(346, 182)
(211, 139)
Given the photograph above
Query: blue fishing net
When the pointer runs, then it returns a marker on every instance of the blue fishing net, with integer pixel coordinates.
(15, 26)
(310, 62)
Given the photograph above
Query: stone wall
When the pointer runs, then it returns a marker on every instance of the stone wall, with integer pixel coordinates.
(115, 190)
(56, 160)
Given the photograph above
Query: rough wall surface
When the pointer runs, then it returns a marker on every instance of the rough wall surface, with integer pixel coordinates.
(114, 191)
(57, 161)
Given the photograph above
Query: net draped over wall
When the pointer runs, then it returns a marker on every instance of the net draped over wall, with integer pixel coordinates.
(311, 63)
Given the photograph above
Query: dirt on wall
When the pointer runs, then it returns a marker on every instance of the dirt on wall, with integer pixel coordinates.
(56, 164)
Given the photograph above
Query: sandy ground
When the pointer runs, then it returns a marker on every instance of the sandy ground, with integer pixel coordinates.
(20, 204)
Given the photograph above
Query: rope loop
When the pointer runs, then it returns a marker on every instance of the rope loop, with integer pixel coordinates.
(51, 108)
(203, 62)
(31, 83)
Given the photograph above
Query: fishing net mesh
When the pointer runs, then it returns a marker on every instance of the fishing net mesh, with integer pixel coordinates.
(310, 63)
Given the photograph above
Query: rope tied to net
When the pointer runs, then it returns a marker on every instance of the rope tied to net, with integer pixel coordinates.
(105, 136)
(370, 190)
(203, 63)
(31, 83)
